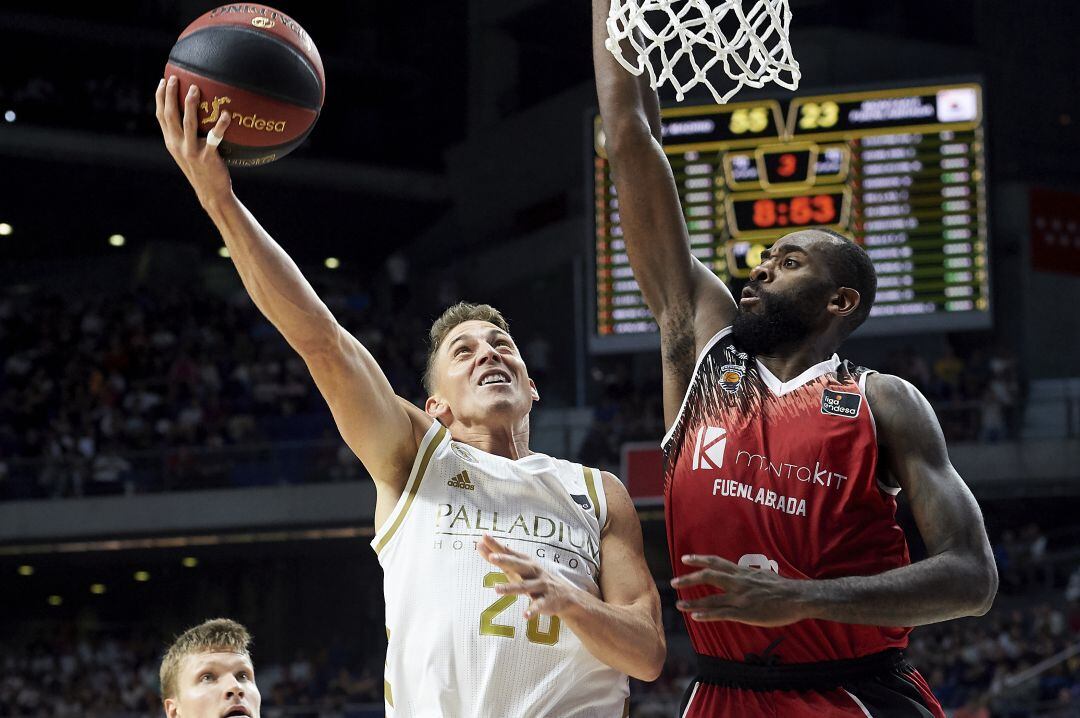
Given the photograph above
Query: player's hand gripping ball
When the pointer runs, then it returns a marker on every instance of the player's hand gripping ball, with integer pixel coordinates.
(260, 66)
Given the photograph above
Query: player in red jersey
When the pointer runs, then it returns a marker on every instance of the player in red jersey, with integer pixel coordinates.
(784, 462)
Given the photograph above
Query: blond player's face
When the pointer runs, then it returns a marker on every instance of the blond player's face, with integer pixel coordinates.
(482, 375)
(215, 685)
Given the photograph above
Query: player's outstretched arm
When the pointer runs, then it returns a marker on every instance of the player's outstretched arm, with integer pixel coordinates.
(375, 423)
(689, 302)
(622, 628)
(959, 577)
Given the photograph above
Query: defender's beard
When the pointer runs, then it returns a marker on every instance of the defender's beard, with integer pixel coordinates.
(779, 321)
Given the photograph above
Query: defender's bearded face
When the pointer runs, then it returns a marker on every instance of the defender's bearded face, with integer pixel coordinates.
(778, 318)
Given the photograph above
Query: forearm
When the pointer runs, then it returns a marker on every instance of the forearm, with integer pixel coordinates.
(627, 103)
(270, 276)
(949, 585)
(628, 638)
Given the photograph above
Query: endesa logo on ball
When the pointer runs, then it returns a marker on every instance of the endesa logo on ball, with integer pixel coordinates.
(251, 121)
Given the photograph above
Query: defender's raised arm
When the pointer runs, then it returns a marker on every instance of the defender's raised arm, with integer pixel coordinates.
(375, 423)
(689, 302)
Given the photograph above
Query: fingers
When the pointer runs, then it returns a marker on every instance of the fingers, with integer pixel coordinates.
(172, 114)
(702, 604)
(714, 562)
(533, 587)
(716, 572)
(191, 116)
(493, 545)
(710, 608)
(487, 543)
(512, 564)
(536, 608)
(704, 577)
(159, 104)
(488, 547)
(219, 128)
(718, 614)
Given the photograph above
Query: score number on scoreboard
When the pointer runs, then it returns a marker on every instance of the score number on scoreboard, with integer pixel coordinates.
(902, 172)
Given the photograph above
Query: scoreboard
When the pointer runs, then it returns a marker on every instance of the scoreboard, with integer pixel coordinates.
(900, 171)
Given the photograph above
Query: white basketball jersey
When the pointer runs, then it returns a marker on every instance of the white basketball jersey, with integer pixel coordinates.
(456, 648)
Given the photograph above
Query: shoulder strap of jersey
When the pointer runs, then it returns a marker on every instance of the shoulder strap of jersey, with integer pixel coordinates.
(594, 487)
(693, 381)
(434, 436)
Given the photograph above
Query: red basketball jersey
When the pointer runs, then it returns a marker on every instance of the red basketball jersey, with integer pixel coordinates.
(780, 476)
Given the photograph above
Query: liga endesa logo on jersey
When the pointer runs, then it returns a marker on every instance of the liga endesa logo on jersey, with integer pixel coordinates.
(709, 448)
(840, 403)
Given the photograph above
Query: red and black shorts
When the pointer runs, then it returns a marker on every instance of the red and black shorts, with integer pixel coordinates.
(881, 685)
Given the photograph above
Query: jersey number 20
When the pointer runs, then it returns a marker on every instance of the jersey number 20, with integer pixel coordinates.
(488, 627)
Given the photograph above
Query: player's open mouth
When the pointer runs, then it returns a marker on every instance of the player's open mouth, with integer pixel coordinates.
(495, 377)
(748, 298)
(236, 711)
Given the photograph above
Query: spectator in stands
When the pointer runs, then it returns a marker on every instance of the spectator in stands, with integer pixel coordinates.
(947, 371)
(149, 371)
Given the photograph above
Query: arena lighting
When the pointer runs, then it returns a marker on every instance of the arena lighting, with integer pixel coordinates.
(117, 240)
(332, 263)
(55, 600)
(223, 252)
(26, 570)
(142, 576)
(188, 541)
(189, 562)
(97, 588)
(9, 115)
(6, 229)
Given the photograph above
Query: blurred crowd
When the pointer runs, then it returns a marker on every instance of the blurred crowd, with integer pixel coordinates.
(973, 664)
(114, 394)
(624, 412)
(978, 396)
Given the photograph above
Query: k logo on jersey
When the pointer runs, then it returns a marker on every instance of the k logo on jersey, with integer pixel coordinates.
(709, 448)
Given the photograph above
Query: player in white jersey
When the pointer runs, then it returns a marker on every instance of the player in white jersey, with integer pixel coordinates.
(462, 640)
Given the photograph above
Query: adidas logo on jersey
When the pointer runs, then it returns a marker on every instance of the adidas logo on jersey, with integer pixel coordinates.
(461, 481)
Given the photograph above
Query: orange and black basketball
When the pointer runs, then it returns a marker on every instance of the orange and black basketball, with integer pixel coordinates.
(261, 66)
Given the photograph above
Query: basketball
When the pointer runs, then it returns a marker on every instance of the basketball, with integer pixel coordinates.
(259, 65)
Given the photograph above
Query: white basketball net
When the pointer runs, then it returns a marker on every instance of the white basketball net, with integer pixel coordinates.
(751, 46)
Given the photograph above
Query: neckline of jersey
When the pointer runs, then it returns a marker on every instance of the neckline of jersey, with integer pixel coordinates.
(532, 455)
(779, 388)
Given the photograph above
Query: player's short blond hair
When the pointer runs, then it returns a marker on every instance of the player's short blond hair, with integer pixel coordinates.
(458, 314)
(218, 635)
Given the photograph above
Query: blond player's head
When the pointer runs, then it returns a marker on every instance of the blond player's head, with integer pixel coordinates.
(475, 373)
(207, 673)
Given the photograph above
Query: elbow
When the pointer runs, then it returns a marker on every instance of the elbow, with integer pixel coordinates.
(649, 672)
(317, 337)
(985, 588)
(627, 137)
(652, 664)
